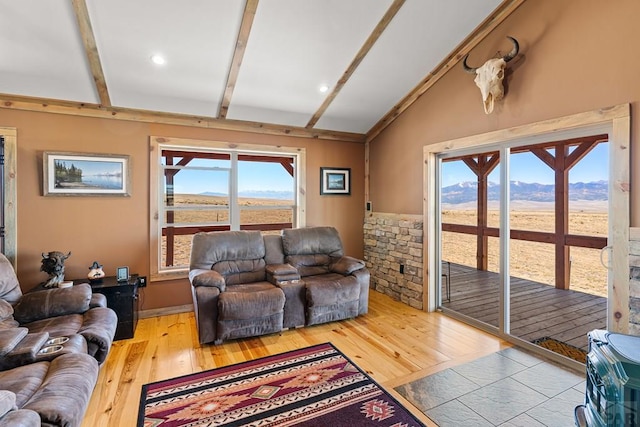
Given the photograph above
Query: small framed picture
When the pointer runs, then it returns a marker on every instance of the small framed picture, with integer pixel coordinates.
(122, 274)
(335, 181)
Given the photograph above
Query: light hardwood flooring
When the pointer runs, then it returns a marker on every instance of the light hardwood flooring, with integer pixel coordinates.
(394, 343)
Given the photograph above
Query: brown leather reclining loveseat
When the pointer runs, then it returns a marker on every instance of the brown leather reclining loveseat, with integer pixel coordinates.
(51, 344)
(245, 284)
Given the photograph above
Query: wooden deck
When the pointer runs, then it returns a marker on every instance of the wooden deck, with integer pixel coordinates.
(537, 310)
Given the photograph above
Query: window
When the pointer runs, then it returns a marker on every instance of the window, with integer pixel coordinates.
(202, 186)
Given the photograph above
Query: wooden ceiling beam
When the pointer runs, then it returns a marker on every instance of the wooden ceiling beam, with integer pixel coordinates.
(131, 114)
(91, 50)
(505, 9)
(364, 50)
(241, 45)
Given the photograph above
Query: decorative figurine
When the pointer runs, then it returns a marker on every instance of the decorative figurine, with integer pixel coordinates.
(53, 265)
(95, 272)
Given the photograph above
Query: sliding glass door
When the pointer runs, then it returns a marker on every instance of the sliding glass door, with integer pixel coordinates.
(470, 251)
(520, 229)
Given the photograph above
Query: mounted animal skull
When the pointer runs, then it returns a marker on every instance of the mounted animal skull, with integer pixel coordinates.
(490, 75)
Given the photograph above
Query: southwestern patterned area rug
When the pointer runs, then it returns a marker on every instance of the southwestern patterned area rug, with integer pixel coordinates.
(313, 386)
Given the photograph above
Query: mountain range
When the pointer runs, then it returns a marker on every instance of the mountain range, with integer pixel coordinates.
(463, 192)
(257, 194)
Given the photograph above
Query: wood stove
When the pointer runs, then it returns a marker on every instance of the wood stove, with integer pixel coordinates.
(612, 396)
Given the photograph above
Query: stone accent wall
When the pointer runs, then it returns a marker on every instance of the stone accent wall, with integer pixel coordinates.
(393, 253)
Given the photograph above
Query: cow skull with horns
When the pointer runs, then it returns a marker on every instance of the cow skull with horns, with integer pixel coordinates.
(489, 76)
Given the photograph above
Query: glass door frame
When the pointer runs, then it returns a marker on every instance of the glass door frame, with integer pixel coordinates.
(615, 122)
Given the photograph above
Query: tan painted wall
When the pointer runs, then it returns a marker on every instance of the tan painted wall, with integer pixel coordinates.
(578, 55)
(114, 230)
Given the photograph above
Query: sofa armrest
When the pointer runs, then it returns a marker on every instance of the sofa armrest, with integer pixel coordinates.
(202, 277)
(98, 300)
(21, 418)
(346, 265)
(11, 416)
(25, 352)
(9, 339)
(279, 273)
(52, 302)
(98, 328)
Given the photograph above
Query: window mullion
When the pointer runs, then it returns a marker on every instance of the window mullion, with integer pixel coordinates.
(234, 207)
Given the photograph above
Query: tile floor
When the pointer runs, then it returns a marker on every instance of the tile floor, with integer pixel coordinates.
(510, 388)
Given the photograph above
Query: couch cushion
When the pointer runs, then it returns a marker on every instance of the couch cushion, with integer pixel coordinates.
(236, 255)
(312, 240)
(208, 249)
(9, 287)
(6, 310)
(250, 302)
(332, 289)
(60, 326)
(7, 401)
(63, 397)
(332, 299)
(309, 265)
(24, 380)
(241, 271)
(53, 302)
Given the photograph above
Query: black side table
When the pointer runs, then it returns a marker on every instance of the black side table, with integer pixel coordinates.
(122, 297)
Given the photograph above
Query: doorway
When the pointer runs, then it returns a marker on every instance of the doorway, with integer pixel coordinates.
(496, 234)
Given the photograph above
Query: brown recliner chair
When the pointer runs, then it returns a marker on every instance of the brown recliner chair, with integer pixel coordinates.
(59, 312)
(337, 286)
(231, 294)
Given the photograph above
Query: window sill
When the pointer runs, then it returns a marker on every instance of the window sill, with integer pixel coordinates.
(170, 275)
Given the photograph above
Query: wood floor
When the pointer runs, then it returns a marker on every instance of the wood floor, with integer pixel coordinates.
(394, 343)
(537, 310)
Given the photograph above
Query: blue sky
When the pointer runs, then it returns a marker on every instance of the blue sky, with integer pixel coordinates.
(526, 167)
(260, 176)
(256, 176)
(94, 167)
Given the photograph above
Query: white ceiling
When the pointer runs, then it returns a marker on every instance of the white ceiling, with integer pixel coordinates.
(293, 48)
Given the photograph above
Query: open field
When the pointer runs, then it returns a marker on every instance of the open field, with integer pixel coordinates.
(532, 261)
(258, 211)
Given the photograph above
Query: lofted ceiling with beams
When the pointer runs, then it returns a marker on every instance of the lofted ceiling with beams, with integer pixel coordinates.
(322, 68)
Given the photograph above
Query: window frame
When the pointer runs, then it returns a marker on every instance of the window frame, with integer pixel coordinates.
(159, 143)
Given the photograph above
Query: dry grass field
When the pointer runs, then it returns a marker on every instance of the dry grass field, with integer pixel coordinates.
(258, 211)
(529, 260)
(533, 261)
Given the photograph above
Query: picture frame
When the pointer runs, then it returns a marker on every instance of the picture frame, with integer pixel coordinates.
(335, 181)
(122, 274)
(85, 174)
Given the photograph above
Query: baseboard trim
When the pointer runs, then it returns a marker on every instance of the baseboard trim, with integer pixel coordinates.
(164, 311)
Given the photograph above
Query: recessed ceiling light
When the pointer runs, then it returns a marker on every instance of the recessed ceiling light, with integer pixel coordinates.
(158, 59)
(324, 88)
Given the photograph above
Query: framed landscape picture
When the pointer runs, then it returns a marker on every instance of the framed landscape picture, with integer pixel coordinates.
(335, 181)
(85, 174)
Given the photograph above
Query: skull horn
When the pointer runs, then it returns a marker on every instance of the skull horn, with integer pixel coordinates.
(468, 69)
(516, 48)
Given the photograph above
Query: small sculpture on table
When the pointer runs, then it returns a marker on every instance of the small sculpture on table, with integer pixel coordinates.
(95, 272)
(53, 265)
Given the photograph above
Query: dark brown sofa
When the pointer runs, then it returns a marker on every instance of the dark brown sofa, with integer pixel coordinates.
(51, 344)
(245, 284)
(57, 312)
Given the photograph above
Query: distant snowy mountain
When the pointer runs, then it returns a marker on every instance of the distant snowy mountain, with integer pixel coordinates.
(256, 194)
(261, 194)
(463, 192)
